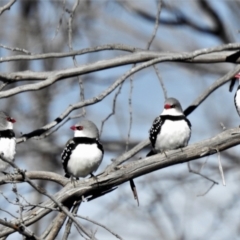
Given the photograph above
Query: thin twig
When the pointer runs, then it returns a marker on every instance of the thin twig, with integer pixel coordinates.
(16, 49)
(42, 191)
(205, 193)
(60, 20)
(21, 229)
(70, 25)
(161, 81)
(220, 167)
(200, 174)
(99, 224)
(7, 6)
(113, 108)
(130, 113)
(69, 222)
(156, 24)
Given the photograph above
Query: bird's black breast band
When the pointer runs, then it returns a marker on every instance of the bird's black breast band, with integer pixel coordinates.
(176, 118)
(7, 134)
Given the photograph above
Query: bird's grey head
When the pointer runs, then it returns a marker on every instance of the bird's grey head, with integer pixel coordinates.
(85, 128)
(6, 122)
(172, 107)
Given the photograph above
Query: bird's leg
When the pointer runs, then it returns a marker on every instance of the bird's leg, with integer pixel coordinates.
(73, 181)
(165, 154)
(94, 178)
(78, 201)
(84, 199)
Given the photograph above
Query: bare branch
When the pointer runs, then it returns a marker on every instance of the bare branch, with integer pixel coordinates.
(161, 81)
(130, 112)
(34, 175)
(220, 168)
(113, 108)
(99, 224)
(109, 179)
(70, 20)
(156, 24)
(18, 227)
(56, 225)
(200, 174)
(211, 89)
(60, 20)
(42, 56)
(69, 222)
(7, 6)
(42, 191)
(208, 190)
(16, 49)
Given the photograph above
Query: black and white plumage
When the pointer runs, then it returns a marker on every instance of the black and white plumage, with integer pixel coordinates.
(7, 139)
(170, 130)
(237, 95)
(83, 153)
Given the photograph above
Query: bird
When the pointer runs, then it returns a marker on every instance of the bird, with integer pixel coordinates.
(83, 153)
(171, 129)
(237, 94)
(7, 140)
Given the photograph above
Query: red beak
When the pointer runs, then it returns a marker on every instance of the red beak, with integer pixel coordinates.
(73, 128)
(167, 106)
(237, 75)
(12, 120)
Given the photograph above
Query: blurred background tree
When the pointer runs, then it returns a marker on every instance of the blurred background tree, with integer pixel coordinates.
(170, 205)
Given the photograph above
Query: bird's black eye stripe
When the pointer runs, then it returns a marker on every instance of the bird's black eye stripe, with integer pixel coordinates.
(173, 106)
(79, 128)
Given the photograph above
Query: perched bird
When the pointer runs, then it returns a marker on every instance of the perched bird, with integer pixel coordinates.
(7, 139)
(237, 94)
(83, 153)
(170, 130)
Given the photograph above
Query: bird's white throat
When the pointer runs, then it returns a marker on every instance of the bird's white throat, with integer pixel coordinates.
(171, 112)
(78, 133)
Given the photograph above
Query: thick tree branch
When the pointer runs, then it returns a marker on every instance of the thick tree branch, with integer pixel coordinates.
(34, 175)
(217, 54)
(108, 180)
(121, 47)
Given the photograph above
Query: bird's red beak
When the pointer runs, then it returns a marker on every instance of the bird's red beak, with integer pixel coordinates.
(12, 120)
(237, 75)
(73, 128)
(167, 106)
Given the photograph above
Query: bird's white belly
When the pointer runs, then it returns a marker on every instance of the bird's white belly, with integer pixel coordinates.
(8, 148)
(84, 160)
(173, 135)
(237, 99)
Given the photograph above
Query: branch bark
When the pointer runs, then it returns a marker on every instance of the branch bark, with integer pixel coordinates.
(109, 179)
